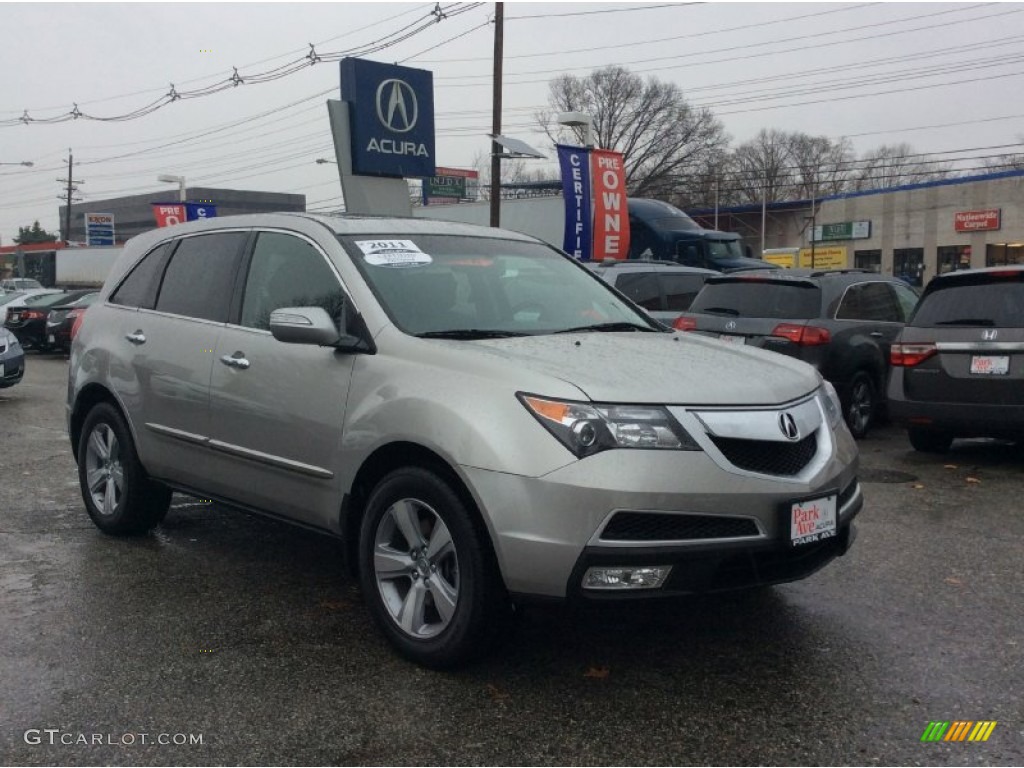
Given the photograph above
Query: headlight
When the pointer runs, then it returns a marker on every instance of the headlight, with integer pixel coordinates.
(589, 429)
(830, 399)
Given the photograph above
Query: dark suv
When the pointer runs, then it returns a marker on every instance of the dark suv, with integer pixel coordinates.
(958, 365)
(663, 288)
(840, 321)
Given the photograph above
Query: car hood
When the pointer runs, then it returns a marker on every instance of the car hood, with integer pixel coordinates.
(663, 368)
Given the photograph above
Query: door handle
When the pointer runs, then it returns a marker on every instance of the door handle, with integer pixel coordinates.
(136, 338)
(236, 360)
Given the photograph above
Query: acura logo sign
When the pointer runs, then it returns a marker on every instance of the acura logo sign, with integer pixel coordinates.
(788, 427)
(397, 108)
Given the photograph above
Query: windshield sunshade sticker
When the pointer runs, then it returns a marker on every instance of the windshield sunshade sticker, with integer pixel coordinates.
(393, 253)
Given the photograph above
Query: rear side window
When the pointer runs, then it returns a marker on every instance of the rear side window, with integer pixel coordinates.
(200, 278)
(870, 302)
(140, 287)
(641, 287)
(998, 303)
(759, 298)
(681, 290)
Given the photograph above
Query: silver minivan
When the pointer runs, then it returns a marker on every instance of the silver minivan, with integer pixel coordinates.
(474, 414)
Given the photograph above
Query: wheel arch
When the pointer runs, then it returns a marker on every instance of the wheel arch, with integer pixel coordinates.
(375, 467)
(87, 398)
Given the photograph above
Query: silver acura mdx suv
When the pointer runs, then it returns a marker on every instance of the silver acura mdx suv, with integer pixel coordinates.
(478, 418)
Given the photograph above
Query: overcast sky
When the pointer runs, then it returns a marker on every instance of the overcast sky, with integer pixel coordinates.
(875, 72)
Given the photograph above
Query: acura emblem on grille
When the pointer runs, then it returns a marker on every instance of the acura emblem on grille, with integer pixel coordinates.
(788, 427)
(989, 335)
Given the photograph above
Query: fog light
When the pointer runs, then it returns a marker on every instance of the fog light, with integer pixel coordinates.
(646, 577)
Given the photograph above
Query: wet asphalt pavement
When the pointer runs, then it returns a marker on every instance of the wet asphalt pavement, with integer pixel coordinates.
(249, 637)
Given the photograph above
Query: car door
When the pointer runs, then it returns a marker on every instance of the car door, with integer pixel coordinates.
(277, 409)
(167, 354)
(868, 320)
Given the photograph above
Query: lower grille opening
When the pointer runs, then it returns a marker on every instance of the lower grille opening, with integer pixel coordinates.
(652, 526)
(768, 457)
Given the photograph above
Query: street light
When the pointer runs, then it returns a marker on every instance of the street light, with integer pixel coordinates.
(579, 120)
(26, 163)
(179, 180)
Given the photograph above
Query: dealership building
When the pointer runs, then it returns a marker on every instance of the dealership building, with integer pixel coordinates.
(134, 215)
(915, 231)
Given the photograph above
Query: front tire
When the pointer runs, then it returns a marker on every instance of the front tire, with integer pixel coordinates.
(861, 406)
(119, 496)
(929, 441)
(426, 570)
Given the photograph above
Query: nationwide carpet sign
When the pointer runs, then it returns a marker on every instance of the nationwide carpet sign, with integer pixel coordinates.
(575, 165)
(977, 221)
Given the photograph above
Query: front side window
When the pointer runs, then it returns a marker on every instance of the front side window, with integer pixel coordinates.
(200, 278)
(481, 286)
(287, 271)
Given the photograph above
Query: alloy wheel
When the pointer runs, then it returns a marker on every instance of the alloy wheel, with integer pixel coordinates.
(416, 568)
(104, 473)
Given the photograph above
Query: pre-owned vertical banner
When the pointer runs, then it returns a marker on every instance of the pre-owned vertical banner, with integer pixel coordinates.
(611, 214)
(575, 164)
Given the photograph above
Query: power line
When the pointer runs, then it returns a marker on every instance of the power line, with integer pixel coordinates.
(607, 10)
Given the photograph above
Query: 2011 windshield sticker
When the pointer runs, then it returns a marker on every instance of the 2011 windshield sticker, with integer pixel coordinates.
(393, 253)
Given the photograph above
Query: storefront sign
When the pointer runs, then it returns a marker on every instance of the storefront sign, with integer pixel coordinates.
(448, 186)
(843, 230)
(832, 257)
(392, 115)
(575, 165)
(99, 229)
(169, 214)
(976, 221)
(611, 216)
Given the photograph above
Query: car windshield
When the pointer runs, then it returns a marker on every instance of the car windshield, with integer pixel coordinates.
(479, 287)
(996, 304)
(8, 298)
(725, 249)
(757, 297)
(44, 299)
(23, 283)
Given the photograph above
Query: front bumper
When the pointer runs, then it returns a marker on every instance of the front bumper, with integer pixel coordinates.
(13, 365)
(548, 530)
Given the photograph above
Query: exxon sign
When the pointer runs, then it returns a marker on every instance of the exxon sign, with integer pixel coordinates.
(392, 118)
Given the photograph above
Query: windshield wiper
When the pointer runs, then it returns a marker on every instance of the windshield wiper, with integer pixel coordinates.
(967, 321)
(719, 311)
(469, 334)
(607, 328)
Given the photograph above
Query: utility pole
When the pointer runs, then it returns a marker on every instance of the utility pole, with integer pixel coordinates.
(69, 198)
(499, 32)
(814, 217)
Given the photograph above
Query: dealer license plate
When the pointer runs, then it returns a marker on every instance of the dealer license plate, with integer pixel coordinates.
(1, 370)
(990, 365)
(730, 339)
(50, 338)
(813, 520)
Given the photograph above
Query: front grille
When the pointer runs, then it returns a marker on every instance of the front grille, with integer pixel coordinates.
(768, 457)
(651, 526)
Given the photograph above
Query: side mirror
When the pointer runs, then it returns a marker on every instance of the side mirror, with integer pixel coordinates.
(304, 325)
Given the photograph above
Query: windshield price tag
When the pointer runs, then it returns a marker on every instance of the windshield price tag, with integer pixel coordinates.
(393, 253)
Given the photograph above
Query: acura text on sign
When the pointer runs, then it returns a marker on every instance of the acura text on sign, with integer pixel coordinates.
(974, 221)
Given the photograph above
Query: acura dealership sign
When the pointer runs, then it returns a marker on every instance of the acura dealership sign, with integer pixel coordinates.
(391, 112)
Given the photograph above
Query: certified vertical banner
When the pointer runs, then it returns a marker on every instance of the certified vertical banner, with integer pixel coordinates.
(575, 164)
(611, 214)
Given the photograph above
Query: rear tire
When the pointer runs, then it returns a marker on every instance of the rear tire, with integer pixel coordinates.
(929, 441)
(861, 406)
(118, 494)
(426, 571)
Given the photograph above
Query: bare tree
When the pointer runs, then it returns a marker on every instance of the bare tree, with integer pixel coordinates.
(1006, 162)
(895, 165)
(513, 171)
(762, 169)
(666, 143)
(821, 165)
